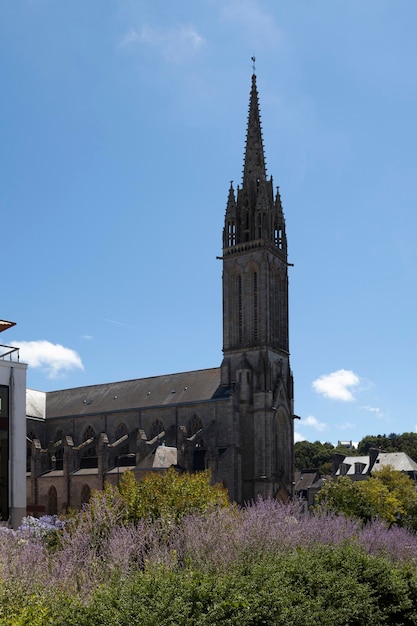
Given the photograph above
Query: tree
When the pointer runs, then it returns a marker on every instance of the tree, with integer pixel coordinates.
(317, 455)
(378, 502)
(170, 495)
(403, 488)
(388, 495)
(380, 442)
(407, 442)
(342, 496)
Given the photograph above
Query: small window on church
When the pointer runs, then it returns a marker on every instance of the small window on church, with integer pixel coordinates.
(231, 232)
(278, 238)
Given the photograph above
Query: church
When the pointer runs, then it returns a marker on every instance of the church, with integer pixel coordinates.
(236, 420)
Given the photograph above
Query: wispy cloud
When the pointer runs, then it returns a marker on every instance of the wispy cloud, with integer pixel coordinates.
(372, 409)
(174, 44)
(347, 426)
(55, 359)
(337, 385)
(129, 39)
(377, 412)
(118, 323)
(314, 422)
(87, 337)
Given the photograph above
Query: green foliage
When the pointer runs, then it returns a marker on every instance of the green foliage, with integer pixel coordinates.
(343, 496)
(378, 501)
(266, 564)
(388, 495)
(317, 455)
(327, 585)
(407, 442)
(402, 487)
(170, 495)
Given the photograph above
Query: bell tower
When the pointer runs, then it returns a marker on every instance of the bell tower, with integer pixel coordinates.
(256, 363)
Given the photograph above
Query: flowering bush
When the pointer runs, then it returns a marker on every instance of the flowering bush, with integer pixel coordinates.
(267, 563)
(40, 527)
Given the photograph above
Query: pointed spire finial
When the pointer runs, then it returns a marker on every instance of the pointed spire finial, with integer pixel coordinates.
(253, 59)
(254, 163)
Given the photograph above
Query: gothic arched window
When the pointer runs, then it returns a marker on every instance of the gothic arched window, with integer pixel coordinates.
(239, 309)
(231, 233)
(120, 431)
(59, 435)
(255, 307)
(52, 506)
(156, 428)
(194, 425)
(89, 433)
(85, 494)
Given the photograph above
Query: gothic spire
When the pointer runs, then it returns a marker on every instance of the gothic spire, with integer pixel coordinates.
(254, 168)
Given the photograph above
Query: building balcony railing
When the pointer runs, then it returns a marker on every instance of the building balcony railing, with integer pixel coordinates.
(9, 353)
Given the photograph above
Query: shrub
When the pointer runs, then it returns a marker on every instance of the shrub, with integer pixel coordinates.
(170, 495)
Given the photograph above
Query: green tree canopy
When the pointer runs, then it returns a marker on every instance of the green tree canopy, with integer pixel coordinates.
(317, 455)
(388, 495)
(407, 442)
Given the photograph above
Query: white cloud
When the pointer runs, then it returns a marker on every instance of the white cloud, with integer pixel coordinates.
(337, 385)
(298, 437)
(55, 359)
(312, 421)
(173, 43)
(347, 426)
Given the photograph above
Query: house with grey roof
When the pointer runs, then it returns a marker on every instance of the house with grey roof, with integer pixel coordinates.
(361, 467)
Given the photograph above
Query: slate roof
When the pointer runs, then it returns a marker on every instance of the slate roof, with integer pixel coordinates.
(397, 460)
(350, 461)
(306, 479)
(35, 403)
(185, 387)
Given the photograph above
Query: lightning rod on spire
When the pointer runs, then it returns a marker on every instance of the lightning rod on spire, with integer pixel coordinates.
(253, 59)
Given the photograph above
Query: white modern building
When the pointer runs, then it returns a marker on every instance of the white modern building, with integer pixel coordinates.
(12, 434)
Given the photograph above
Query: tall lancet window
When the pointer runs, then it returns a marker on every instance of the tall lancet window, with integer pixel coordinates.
(255, 307)
(239, 308)
(231, 233)
(278, 237)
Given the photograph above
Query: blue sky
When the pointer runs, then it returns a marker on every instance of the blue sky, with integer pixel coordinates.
(122, 123)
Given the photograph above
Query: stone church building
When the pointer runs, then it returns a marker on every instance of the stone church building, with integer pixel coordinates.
(236, 420)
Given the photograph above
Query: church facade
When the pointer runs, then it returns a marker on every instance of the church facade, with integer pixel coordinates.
(236, 420)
